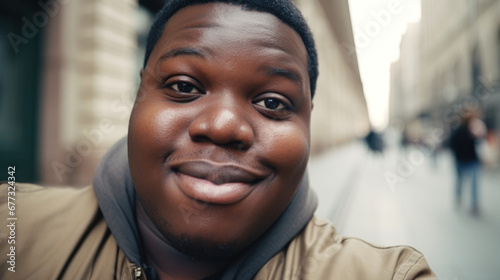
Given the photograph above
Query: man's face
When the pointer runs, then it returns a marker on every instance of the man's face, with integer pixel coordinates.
(219, 134)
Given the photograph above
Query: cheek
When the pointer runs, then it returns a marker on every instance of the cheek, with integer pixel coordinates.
(153, 124)
(154, 130)
(288, 149)
(287, 153)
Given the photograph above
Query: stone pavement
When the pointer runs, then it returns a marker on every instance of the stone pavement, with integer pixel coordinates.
(407, 198)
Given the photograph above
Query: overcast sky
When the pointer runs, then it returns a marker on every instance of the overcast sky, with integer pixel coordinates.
(378, 26)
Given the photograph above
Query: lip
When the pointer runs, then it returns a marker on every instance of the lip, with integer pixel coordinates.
(216, 183)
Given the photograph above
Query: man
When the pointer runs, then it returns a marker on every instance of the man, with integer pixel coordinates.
(463, 142)
(210, 183)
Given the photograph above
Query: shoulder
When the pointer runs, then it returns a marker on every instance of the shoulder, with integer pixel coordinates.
(320, 253)
(41, 206)
(38, 204)
(58, 231)
(30, 191)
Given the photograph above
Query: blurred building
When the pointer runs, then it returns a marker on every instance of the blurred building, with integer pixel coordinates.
(340, 113)
(404, 103)
(449, 64)
(68, 84)
(70, 70)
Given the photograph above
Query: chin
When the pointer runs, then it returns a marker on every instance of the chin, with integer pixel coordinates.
(201, 248)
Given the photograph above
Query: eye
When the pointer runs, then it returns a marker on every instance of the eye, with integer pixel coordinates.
(184, 87)
(272, 104)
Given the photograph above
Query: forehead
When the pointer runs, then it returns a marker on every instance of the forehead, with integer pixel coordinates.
(236, 29)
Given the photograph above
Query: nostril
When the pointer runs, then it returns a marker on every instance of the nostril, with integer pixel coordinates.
(241, 146)
(200, 138)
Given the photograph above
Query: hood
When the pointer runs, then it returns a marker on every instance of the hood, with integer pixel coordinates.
(116, 197)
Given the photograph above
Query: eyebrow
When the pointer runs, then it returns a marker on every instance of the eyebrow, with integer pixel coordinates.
(290, 75)
(270, 70)
(182, 51)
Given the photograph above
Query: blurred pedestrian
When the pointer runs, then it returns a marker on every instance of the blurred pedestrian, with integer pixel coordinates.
(405, 141)
(375, 142)
(463, 142)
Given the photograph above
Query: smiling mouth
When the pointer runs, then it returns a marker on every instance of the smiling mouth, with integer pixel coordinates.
(216, 183)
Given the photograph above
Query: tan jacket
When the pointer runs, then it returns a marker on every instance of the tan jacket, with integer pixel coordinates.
(61, 234)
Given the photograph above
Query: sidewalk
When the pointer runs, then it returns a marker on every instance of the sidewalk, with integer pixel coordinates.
(418, 211)
(331, 175)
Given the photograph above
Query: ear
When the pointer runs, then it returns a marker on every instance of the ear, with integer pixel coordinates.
(312, 105)
(141, 72)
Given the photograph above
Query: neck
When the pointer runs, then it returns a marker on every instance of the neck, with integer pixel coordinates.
(166, 260)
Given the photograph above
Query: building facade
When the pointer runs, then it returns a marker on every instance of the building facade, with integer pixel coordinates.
(452, 58)
(340, 112)
(72, 71)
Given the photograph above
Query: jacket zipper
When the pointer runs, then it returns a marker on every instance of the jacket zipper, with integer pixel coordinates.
(138, 273)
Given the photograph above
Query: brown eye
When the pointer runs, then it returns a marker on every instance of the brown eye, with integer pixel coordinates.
(184, 87)
(272, 104)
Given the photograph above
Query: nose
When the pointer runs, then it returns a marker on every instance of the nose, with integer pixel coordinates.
(222, 126)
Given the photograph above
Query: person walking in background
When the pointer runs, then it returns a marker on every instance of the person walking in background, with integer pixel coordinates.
(463, 143)
(375, 142)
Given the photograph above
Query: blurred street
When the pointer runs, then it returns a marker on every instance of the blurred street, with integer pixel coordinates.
(406, 197)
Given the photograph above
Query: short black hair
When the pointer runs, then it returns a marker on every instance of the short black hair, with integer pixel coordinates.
(285, 10)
